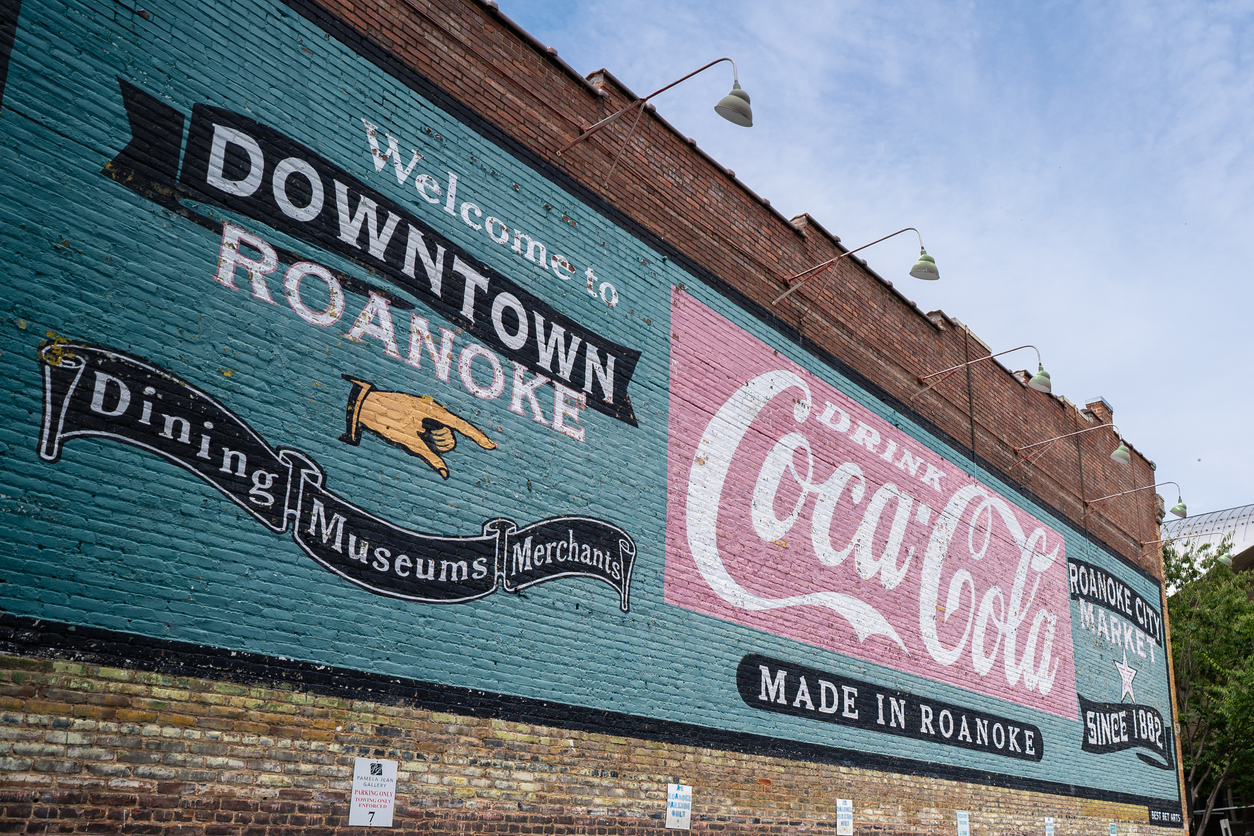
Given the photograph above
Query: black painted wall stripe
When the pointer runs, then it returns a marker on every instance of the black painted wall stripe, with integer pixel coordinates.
(38, 638)
(10, 11)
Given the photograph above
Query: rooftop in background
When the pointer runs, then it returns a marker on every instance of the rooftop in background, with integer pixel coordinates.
(1212, 527)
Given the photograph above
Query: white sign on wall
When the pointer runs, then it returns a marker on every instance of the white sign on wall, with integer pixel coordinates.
(964, 823)
(1049, 826)
(374, 793)
(844, 817)
(678, 806)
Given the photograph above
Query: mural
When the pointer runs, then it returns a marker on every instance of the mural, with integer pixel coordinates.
(310, 362)
(793, 503)
(91, 391)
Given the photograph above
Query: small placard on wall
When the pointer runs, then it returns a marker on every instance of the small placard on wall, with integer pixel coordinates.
(844, 817)
(678, 806)
(1049, 826)
(1114, 829)
(374, 793)
(964, 823)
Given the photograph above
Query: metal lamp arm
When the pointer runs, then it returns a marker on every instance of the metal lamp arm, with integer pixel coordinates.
(1068, 435)
(952, 369)
(1025, 458)
(640, 103)
(816, 270)
(1168, 539)
(1134, 490)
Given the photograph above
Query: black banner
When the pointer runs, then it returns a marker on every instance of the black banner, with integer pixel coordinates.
(93, 391)
(241, 165)
(1114, 726)
(800, 691)
(1166, 813)
(1095, 585)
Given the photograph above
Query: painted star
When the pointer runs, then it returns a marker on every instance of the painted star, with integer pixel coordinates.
(1126, 673)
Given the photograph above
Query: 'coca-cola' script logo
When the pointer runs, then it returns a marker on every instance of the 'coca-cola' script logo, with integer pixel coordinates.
(794, 510)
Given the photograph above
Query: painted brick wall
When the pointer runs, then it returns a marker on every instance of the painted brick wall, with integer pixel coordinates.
(195, 648)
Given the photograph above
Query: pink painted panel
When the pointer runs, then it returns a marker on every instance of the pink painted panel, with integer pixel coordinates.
(794, 510)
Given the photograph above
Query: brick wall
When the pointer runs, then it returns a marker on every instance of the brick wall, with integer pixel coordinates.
(278, 674)
(86, 748)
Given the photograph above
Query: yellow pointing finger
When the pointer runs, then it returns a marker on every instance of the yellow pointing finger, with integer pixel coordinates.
(439, 413)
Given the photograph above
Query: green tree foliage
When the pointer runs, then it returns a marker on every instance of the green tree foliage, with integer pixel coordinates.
(1212, 643)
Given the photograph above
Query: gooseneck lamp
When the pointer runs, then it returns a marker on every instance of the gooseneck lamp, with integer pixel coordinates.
(1178, 509)
(1039, 381)
(924, 268)
(1121, 453)
(734, 107)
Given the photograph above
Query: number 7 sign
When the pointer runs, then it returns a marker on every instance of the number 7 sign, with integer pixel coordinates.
(374, 793)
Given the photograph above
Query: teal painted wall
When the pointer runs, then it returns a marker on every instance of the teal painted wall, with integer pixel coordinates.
(115, 537)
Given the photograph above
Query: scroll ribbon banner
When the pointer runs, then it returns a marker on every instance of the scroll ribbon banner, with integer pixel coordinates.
(94, 391)
(149, 165)
(1113, 727)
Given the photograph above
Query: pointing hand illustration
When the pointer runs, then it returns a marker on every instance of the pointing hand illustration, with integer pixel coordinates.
(419, 424)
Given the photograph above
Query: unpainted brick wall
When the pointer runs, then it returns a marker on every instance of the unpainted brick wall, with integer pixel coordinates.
(86, 748)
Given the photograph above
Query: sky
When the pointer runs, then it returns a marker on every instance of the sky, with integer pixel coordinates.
(1079, 171)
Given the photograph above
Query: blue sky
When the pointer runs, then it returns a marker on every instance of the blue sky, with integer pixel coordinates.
(1078, 169)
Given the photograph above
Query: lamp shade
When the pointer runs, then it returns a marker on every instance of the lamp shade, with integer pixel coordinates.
(1178, 509)
(1122, 454)
(734, 107)
(1226, 560)
(1040, 380)
(925, 267)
